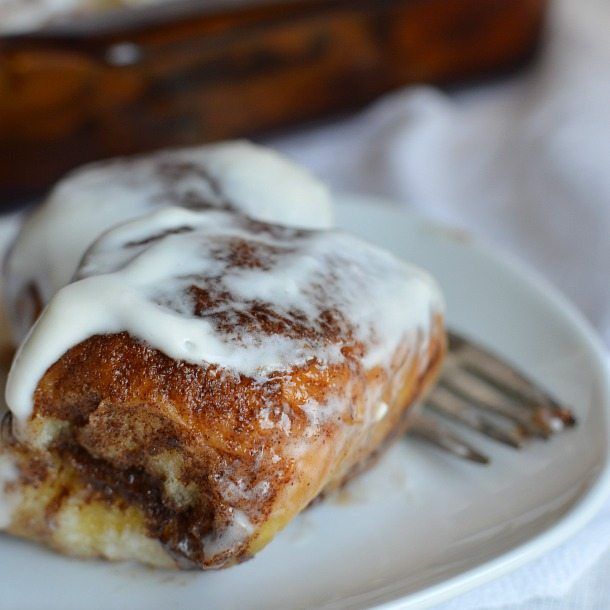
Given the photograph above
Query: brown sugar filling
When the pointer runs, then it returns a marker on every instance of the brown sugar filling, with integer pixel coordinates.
(180, 531)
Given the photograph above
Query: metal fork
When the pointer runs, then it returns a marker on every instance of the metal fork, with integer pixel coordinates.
(478, 390)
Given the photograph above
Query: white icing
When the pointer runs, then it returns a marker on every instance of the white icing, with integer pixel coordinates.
(235, 491)
(235, 534)
(145, 289)
(250, 179)
(381, 411)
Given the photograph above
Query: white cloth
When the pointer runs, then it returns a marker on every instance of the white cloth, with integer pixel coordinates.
(526, 165)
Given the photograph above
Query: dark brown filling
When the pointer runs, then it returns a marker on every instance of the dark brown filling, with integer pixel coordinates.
(180, 531)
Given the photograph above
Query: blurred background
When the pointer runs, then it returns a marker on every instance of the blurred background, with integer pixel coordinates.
(490, 115)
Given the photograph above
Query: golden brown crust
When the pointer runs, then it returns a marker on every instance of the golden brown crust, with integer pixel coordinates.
(188, 445)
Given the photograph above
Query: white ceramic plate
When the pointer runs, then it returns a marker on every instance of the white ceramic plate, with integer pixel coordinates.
(421, 526)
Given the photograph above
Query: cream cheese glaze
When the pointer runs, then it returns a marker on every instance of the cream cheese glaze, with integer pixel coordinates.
(193, 284)
(238, 175)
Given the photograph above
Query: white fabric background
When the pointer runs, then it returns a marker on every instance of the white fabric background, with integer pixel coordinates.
(524, 164)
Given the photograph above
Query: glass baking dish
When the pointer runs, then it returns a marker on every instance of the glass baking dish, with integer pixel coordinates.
(182, 72)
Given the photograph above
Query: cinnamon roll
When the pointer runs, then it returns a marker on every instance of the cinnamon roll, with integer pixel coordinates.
(203, 379)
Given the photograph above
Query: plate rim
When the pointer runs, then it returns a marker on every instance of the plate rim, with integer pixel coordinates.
(393, 596)
(591, 500)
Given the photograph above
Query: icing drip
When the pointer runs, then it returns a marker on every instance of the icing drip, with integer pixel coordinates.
(236, 533)
(212, 287)
(237, 175)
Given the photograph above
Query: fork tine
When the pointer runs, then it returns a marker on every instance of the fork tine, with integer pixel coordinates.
(484, 396)
(479, 390)
(552, 415)
(494, 371)
(429, 429)
(447, 403)
(511, 383)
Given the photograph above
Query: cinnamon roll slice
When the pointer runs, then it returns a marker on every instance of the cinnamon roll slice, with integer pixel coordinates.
(237, 176)
(204, 378)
